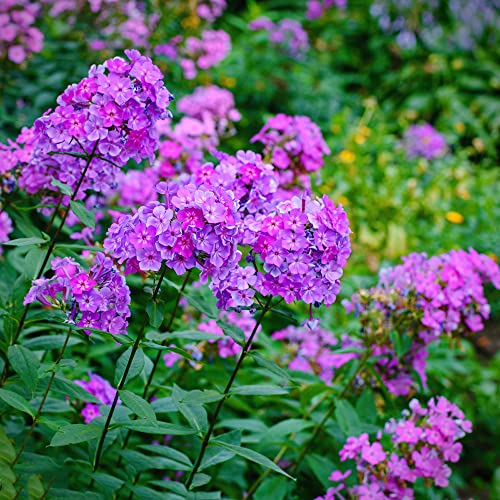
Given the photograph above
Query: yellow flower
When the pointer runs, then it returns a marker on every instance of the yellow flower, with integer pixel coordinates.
(346, 156)
(335, 128)
(228, 81)
(359, 139)
(460, 127)
(454, 217)
(343, 200)
(364, 130)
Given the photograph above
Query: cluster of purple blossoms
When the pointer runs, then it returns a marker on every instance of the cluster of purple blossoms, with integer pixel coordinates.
(210, 10)
(121, 23)
(18, 37)
(99, 123)
(422, 299)
(214, 103)
(309, 349)
(294, 145)
(424, 141)
(5, 228)
(97, 298)
(226, 347)
(195, 227)
(287, 34)
(421, 444)
(195, 54)
(137, 187)
(302, 245)
(99, 388)
(316, 8)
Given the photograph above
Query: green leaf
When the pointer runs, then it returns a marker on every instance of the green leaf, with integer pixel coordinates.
(48, 342)
(201, 397)
(270, 365)
(156, 313)
(250, 455)
(193, 335)
(138, 405)
(347, 418)
(108, 482)
(321, 468)
(259, 390)
(215, 455)
(273, 487)
(148, 427)
(32, 463)
(200, 480)
(23, 242)
(25, 364)
(69, 388)
(168, 452)
(7, 451)
(75, 433)
(64, 188)
(233, 331)
(16, 401)
(87, 217)
(135, 368)
(278, 431)
(206, 304)
(195, 414)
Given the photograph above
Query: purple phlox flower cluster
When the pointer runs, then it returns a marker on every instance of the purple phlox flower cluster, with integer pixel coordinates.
(309, 349)
(421, 445)
(302, 245)
(99, 388)
(422, 300)
(213, 102)
(294, 145)
(97, 298)
(111, 114)
(424, 141)
(18, 37)
(210, 10)
(14, 156)
(316, 8)
(120, 22)
(194, 54)
(195, 227)
(5, 228)
(137, 187)
(226, 347)
(287, 34)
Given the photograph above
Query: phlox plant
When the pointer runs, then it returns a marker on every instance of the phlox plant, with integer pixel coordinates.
(170, 287)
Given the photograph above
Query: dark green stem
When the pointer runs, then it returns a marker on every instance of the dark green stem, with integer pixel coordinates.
(329, 413)
(123, 379)
(42, 402)
(220, 404)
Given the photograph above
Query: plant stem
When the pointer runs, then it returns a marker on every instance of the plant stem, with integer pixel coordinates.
(284, 448)
(123, 378)
(220, 404)
(42, 402)
(158, 356)
(329, 413)
(51, 249)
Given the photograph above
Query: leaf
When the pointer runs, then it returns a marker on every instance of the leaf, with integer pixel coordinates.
(259, 390)
(16, 401)
(48, 342)
(203, 303)
(193, 335)
(32, 463)
(201, 397)
(111, 483)
(156, 313)
(200, 480)
(7, 451)
(23, 242)
(75, 433)
(164, 405)
(347, 418)
(278, 431)
(215, 455)
(87, 217)
(273, 487)
(195, 414)
(250, 455)
(138, 405)
(168, 452)
(69, 388)
(64, 188)
(148, 427)
(321, 468)
(233, 331)
(135, 368)
(25, 364)
(270, 365)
